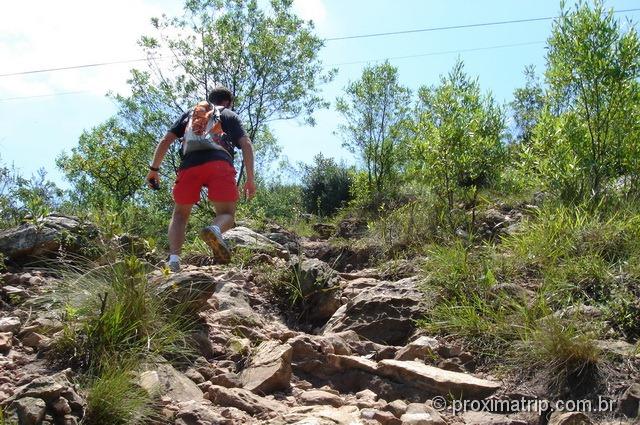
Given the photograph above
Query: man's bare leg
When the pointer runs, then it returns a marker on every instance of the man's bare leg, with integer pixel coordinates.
(178, 227)
(225, 215)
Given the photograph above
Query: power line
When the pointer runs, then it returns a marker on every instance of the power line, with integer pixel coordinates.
(452, 27)
(44, 95)
(349, 37)
(64, 68)
(444, 52)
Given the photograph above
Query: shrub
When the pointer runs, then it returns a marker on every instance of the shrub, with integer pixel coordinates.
(325, 186)
(115, 313)
(114, 399)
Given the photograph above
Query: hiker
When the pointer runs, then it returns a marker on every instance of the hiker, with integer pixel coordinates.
(210, 132)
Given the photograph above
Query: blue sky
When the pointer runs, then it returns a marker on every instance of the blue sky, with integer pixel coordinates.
(55, 107)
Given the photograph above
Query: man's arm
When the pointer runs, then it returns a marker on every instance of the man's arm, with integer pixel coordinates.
(247, 158)
(161, 151)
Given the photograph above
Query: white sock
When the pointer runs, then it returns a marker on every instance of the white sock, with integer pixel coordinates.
(216, 228)
(174, 258)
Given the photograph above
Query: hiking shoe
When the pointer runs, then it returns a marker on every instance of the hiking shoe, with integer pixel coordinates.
(213, 238)
(174, 265)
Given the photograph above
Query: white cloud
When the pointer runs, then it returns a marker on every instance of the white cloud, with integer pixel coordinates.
(53, 34)
(311, 10)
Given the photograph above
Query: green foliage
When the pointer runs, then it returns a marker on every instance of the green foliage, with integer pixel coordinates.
(274, 201)
(108, 166)
(20, 197)
(375, 110)
(114, 399)
(457, 147)
(566, 351)
(586, 136)
(114, 314)
(527, 105)
(325, 186)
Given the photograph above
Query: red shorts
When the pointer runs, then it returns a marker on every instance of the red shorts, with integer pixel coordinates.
(219, 177)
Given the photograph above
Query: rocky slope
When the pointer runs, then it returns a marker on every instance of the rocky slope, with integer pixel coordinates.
(356, 357)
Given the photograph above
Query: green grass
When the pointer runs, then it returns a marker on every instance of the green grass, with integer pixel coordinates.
(565, 351)
(564, 257)
(114, 312)
(114, 399)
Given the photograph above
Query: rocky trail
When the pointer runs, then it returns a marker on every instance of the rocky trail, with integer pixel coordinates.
(355, 357)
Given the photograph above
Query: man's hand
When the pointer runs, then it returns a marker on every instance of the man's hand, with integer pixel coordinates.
(250, 188)
(153, 179)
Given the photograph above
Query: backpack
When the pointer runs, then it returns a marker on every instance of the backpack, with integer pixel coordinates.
(203, 130)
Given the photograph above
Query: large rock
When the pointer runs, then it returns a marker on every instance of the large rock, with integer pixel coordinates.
(48, 388)
(269, 370)
(194, 286)
(198, 413)
(629, 403)
(243, 237)
(435, 380)
(47, 236)
(164, 380)
(383, 313)
(315, 397)
(244, 400)
(320, 286)
(569, 418)
(31, 411)
(323, 415)
(9, 324)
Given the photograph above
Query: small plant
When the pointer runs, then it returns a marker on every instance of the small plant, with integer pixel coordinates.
(568, 354)
(114, 399)
(114, 312)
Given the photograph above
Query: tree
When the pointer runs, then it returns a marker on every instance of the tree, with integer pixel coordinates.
(592, 71)
(527, 105)
(375, 107)
(326, 186)
(20, 197)
(457, 147)
(269, 59)
(107, 166)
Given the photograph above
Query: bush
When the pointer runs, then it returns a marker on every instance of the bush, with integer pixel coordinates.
(326, 186)
(114, 314)
(114, 399)
(458, 147)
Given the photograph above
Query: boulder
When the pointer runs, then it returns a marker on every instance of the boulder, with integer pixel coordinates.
(323, 415)
(384, 313)
(6, 341)
(244, 400)
(435, 380)
(164, 380)
(352, 228)
(422, 348)
(324, 230)
(46, 236)
(10, 324)
(48, 388)
(629, 402)
(269, 369)
(314, 397)
(486, 418)
(423, 418)
(198, 412)
(320, 287)
(569, 418)
(195, 286)
(31, 410)
(245, 238)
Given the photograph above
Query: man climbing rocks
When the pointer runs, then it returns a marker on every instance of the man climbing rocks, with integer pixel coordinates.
(210, 132)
